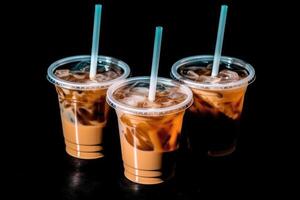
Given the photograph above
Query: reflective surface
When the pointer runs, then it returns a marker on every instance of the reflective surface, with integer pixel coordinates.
(195, 178)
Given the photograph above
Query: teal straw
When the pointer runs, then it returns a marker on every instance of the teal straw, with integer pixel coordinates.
(96, 37)
(219, 43)
(155, 63)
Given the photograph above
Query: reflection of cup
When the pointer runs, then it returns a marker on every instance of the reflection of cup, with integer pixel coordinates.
(212, 123)
(132, 190)
(84, 111)
(149, 131)
(84, 179)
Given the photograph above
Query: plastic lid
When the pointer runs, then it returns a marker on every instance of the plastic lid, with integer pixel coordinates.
(102, 60)
(209, 59)
(149, 111)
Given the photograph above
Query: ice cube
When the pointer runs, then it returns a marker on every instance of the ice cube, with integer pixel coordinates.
(242, 73)
(100, 77)
(134, 100)
(62, 73)
(177, 96)
(150, 104)
(136, 95)
(80, 75)
(117, 70)
(140, 91)
(192, 75)
(111, 75)
(208, 79)
(202, 75)
(228, 76)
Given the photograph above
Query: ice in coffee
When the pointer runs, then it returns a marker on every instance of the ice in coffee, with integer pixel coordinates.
(82, 101)
(149, 131)
(212, 123)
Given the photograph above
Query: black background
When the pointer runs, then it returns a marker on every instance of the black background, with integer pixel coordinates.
(50, 30)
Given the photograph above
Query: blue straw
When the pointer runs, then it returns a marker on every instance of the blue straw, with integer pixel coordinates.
(219, 43)
(155, 63)
(95, 44)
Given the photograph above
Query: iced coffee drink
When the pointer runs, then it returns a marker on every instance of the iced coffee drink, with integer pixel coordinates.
(213, 120)
(84, 111)
(149, 131)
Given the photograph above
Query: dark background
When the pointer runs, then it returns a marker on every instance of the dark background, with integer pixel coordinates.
(50, 30)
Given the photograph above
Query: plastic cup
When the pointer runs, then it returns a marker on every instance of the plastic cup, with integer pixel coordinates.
(212, 124)
(83, 108)
(149, 136)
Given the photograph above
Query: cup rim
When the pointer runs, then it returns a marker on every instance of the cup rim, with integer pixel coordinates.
(215, 86)
(85, 86)
(149, 111)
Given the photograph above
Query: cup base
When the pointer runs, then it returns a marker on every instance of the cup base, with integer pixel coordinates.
(146, 177)
(143, 180)
(84, 155)
(84, 151)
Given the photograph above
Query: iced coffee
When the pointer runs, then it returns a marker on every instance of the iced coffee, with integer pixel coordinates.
(213, 121)
(149, 131)
(83, 108)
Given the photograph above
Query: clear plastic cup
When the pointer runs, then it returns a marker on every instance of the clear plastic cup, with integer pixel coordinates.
(213, 121)
(149, 135)
(83, 108)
